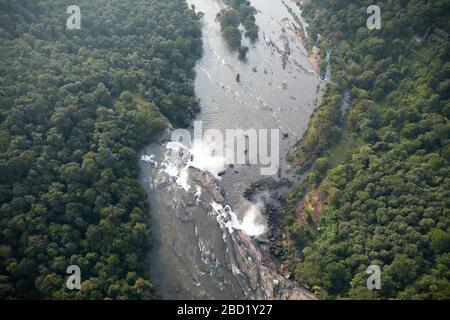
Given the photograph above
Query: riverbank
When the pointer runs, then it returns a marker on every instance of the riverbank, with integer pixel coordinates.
(377, 176)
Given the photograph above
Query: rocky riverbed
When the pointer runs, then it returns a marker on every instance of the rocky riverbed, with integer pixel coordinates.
(273, 195)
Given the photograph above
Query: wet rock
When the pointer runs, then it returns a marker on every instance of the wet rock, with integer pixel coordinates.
(191, 200)
(184, 216)
(274, 209)
(267, 184)
(161, 180)
(262, 274)
(208, 182)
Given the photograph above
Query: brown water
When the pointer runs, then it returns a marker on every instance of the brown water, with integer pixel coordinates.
(193, 256)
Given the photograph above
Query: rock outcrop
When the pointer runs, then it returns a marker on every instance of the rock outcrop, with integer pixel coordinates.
(208, 182)
(262, 275)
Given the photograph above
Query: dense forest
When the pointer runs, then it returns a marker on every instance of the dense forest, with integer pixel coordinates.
(76, 107)
(237, 13)
(378, 187)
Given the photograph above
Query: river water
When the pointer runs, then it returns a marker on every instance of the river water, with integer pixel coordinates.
(195, 253)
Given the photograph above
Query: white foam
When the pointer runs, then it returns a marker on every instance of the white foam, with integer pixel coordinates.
(235, 270)
(174, 166)
(198, 193)
(203, 158)
(174, 146)
(148, 159)
(249, 224)
(183, 178)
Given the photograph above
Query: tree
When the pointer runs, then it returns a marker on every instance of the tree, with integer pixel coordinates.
(75, 111)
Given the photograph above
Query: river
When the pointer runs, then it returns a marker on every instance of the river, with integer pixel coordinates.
(204, 249)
